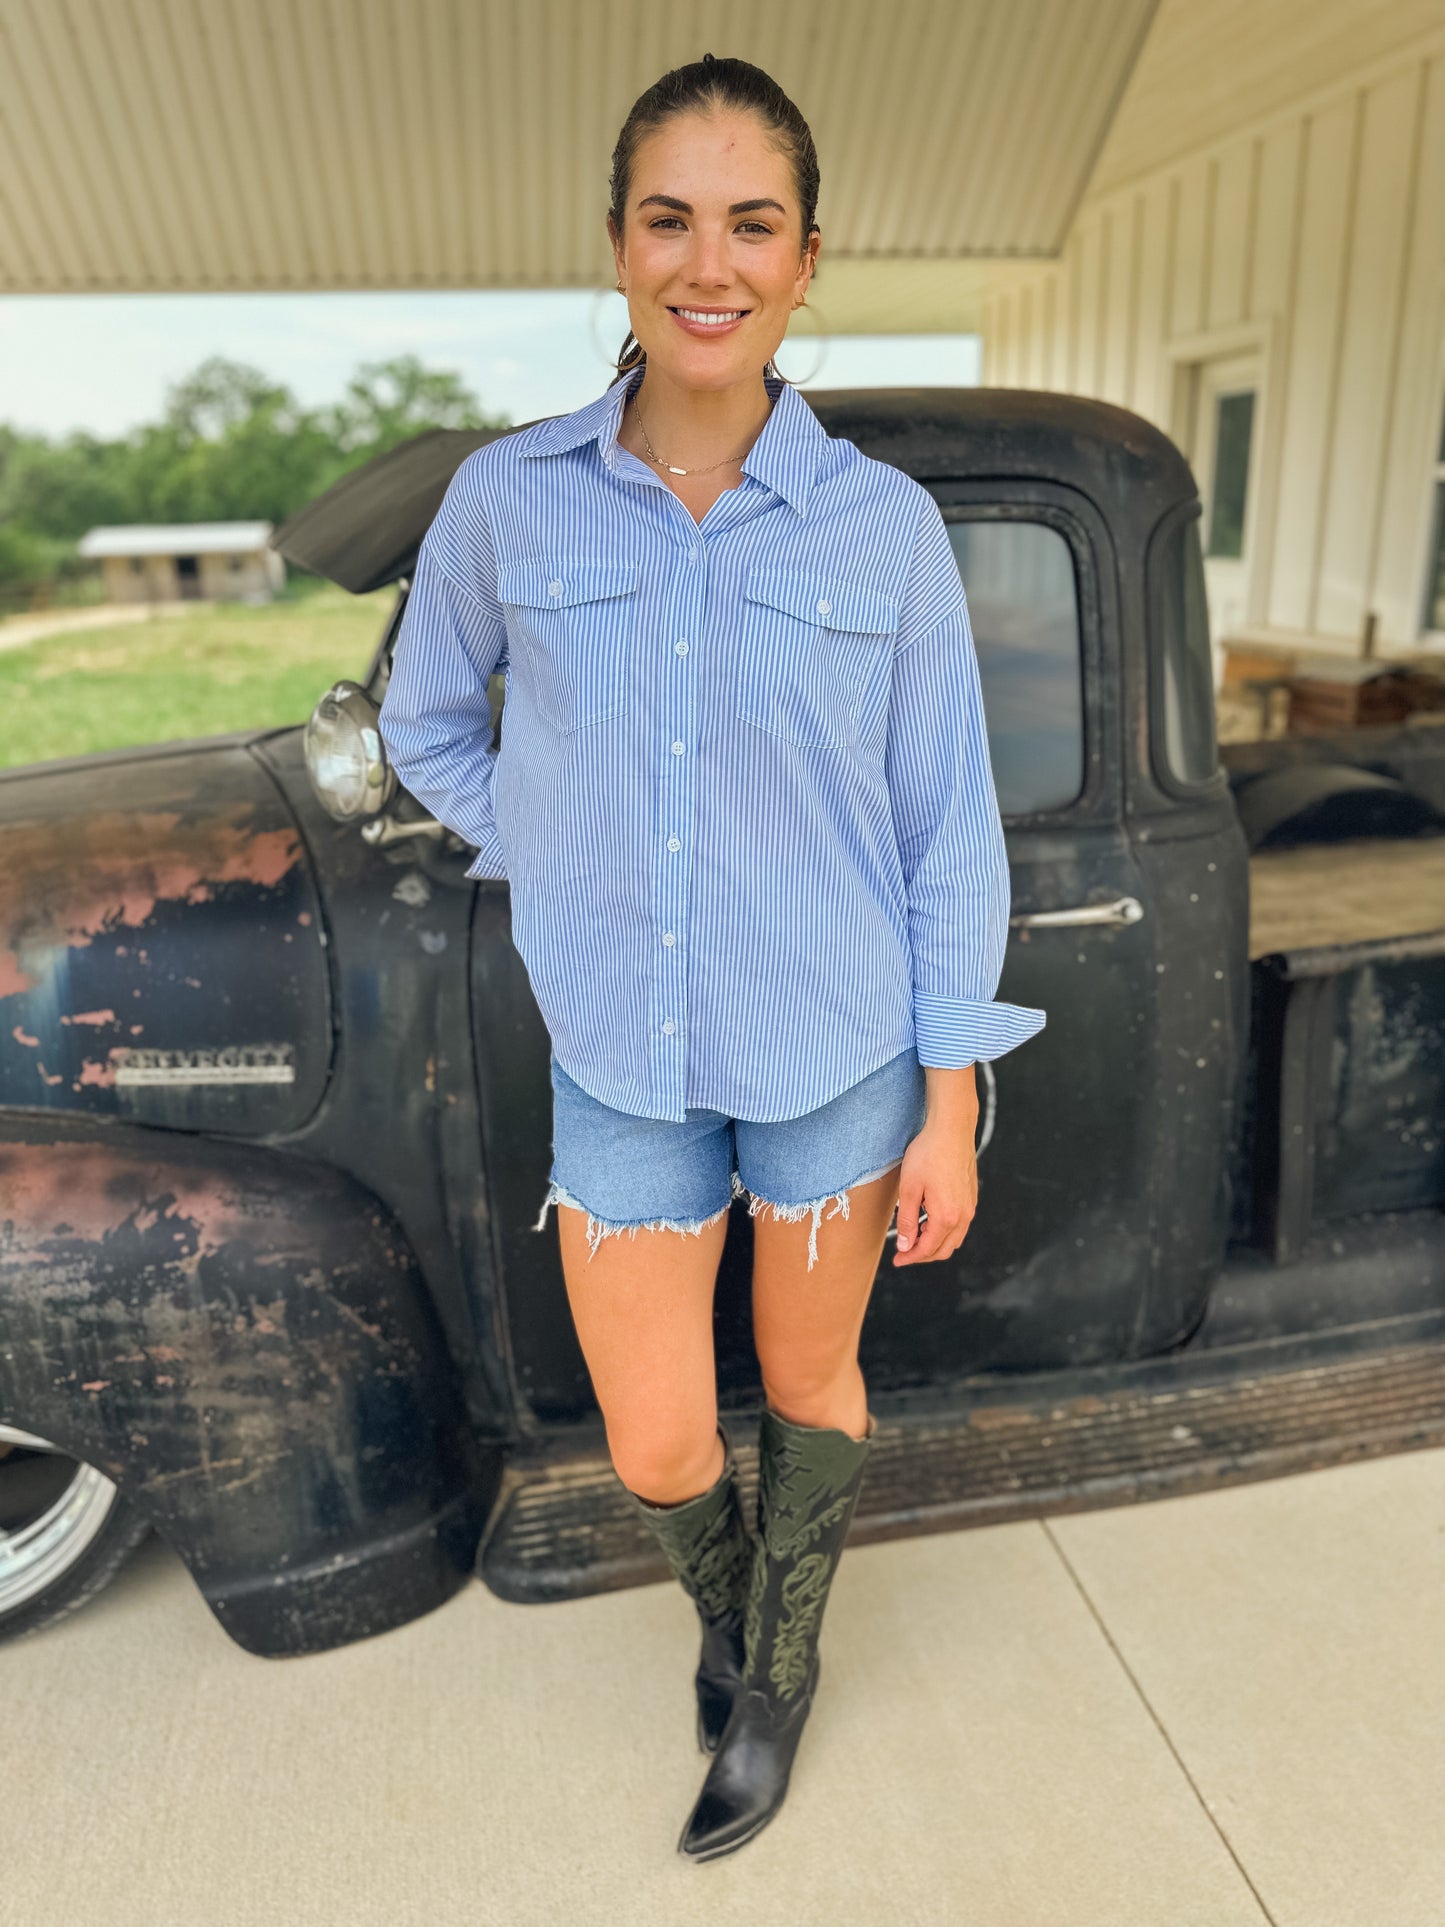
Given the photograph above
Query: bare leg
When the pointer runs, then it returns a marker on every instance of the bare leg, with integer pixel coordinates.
(814, 1445)
(643, 1309)
(807, 1323)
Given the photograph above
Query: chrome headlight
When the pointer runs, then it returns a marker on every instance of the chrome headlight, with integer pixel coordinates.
(345, 756)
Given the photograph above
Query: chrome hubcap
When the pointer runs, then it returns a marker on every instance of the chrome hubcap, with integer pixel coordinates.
(51, 1508)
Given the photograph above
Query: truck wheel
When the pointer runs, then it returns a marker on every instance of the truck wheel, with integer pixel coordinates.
(65, 1532)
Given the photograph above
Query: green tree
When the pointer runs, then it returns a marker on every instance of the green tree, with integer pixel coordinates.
(231, 445)
(387, 402)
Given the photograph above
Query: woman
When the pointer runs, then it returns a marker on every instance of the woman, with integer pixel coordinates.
(757, 875)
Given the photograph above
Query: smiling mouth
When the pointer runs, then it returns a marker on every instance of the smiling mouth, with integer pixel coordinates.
(711, 317)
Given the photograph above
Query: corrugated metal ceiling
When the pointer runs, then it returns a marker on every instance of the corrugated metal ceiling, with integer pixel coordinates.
(186, 145)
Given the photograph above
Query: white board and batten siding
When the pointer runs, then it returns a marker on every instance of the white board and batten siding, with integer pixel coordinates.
(1311, 243)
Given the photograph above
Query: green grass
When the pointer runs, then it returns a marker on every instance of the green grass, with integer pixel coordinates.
(219, 667)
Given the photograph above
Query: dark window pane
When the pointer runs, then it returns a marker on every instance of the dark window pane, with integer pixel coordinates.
(1234, 421)
(1024, 612)
(1190, 753)
(1435, 581)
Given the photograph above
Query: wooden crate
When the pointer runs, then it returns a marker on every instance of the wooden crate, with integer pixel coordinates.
(1356, 695)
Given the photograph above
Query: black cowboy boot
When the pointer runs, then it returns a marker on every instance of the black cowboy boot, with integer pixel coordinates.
(808, 1483)
(709, 1548)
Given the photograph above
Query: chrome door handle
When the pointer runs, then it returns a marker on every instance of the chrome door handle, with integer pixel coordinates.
(1121, 910)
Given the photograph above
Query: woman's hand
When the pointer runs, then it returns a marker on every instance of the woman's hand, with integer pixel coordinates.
(940, 1171)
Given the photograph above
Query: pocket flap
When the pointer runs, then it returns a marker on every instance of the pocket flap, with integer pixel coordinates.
(826, 600)
(555, 585)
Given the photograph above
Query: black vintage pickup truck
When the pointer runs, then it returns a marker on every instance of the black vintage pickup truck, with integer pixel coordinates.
(275, 1109)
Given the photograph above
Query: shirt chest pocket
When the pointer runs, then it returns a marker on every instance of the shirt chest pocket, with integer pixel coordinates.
(575, 619)
(814, 655)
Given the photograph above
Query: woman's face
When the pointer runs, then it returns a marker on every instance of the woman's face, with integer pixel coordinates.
(712, 224)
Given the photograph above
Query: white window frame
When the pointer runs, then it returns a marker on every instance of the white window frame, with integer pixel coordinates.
(1182, 358)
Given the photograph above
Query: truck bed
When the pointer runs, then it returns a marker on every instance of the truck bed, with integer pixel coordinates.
(1324, 894)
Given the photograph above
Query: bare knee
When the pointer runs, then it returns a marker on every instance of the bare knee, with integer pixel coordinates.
(812, 1389)
(667, 1463)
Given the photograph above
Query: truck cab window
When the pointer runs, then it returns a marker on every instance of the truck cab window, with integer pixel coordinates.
(1024, 611)
(1176, 562)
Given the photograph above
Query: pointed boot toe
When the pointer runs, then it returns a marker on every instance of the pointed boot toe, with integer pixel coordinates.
(748, 1779)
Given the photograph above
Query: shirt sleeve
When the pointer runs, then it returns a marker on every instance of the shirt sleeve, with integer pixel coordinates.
(946, 818)
(436, 717)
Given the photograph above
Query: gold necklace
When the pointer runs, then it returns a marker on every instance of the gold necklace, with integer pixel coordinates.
(657, 459)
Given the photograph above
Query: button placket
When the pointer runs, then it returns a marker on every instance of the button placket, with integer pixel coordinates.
(671, 894)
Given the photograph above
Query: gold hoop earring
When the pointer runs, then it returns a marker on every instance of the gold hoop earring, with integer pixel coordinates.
(821, 343)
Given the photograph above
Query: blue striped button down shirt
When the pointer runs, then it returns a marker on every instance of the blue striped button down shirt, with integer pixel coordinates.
(743, 798)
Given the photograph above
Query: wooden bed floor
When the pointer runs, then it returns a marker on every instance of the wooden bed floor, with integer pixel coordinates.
(1332, 893)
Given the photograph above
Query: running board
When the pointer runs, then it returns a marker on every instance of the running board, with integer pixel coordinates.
(1015, 1447)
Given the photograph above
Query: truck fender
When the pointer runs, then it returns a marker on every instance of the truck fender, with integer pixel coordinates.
(1326, 802)
(242, 1339)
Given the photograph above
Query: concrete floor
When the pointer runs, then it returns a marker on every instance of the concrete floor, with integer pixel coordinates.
(1211, 1711)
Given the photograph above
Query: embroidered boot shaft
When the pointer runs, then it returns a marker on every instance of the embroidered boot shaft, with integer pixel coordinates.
(706, 1542)
(808, 1485)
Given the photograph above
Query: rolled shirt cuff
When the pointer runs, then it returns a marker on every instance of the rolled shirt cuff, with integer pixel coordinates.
(954, 1032)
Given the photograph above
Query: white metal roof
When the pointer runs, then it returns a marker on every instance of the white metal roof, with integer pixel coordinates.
(426, 144)
(176, 538)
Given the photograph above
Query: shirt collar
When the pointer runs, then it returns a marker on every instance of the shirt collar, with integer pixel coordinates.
(784, 457)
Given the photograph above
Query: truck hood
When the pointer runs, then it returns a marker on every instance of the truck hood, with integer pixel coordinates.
(366, 529)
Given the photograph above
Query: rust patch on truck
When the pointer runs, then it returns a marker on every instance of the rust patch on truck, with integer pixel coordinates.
(54, 894)
(85, 1191)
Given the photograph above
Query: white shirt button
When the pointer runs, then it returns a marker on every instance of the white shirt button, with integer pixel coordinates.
(678, 748)
(554, 588)
(669, 1027)
(668, 938)
(673, 843)
(681, 648)
(825, 608)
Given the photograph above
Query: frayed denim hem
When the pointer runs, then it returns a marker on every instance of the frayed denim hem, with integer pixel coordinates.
(600, 1228)
(792, 1213)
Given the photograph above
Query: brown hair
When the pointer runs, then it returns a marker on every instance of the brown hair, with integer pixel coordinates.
(704, 86)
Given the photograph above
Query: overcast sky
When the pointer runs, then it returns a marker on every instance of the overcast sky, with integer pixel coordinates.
(103, 362)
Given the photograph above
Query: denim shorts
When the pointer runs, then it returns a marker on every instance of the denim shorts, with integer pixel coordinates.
(632, 1173)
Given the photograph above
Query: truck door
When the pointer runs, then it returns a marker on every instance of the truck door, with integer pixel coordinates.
(1056, 1265)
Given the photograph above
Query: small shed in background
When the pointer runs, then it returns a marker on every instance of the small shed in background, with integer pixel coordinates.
(187, 561)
